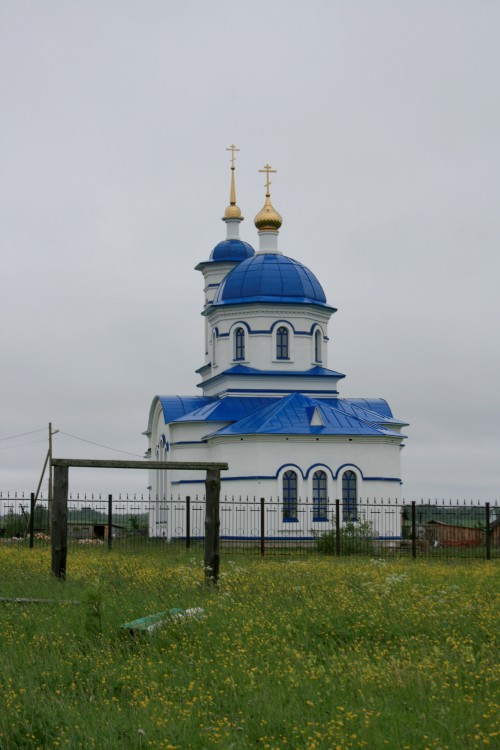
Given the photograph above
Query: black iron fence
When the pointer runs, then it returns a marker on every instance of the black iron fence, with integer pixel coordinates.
(263, 526)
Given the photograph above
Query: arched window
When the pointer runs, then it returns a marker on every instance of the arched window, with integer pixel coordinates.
(282, 347)
(317, 346)
(289, 496)
(214, 346)
(239, 344)
(349, 491)
(320, 506)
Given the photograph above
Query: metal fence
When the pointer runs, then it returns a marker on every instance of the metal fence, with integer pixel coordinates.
(263, 526)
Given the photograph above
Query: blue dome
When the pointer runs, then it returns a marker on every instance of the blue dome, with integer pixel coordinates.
(269, 277)
(233, 250)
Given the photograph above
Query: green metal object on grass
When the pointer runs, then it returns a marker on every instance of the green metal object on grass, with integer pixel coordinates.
(151, 622)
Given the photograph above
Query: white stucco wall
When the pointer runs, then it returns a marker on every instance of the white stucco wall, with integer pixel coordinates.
(260, 324)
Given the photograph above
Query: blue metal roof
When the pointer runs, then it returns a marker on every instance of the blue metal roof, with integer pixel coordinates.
(357, 407)
(291, 415)
(313, 372)
(233, 250)
(270, 277)
(378, 405)
(230, 409)
(175, 407)
(286, 415)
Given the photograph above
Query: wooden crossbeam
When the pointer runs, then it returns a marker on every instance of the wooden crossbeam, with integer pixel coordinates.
(163, 465)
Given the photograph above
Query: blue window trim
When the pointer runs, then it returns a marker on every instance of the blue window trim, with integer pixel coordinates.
(283, 322)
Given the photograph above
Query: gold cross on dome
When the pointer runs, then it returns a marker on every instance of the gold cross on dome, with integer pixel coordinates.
(232, 149)
(267, 169)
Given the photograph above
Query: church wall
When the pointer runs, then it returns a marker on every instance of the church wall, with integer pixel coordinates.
(263, 457)
(186, 432)
(257, 470)
(260, 326)
(271, 385)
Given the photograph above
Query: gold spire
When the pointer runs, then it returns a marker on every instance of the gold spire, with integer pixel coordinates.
(232, 211)
(268, 218)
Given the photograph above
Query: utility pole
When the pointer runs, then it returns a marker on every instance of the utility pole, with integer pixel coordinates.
(50, 498)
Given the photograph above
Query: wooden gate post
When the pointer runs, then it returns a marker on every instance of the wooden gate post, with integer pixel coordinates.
(488, 532)
(338, 549)
(414, 529)
(188, 522)
(212, 525)
(59, 531)
(110, 521)
(32, 520)
(262, 525)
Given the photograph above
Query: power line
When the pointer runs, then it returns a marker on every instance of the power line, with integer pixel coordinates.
(100, 445)
(22, 434)
(21, 445)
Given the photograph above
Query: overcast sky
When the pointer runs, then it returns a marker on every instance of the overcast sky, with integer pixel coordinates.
(383, 121)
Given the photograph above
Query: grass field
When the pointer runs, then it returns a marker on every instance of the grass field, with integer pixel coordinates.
(315, 653)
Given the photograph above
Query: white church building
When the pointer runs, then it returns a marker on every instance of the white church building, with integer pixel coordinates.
(269, 404)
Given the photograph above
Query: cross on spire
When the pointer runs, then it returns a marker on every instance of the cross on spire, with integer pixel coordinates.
(267, 169)
(232, 149)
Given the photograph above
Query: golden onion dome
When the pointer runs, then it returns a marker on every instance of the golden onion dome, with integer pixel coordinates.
(268, 218)
(232, 212)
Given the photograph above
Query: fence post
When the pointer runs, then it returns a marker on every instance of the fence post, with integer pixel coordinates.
(337, 527)
(212, 525)
(32, 520)
(488, 532)
(110, 521)
(262, 525)
(188, 522)
(59, 530)
(413, 529)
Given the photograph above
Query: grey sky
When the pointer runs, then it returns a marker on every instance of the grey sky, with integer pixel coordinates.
(383, 122)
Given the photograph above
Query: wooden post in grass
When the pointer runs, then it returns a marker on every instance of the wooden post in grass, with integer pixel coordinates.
(59, 531)
(413, 529)
(212, 525)
(337, 527)
(110, 521)
(488, 532)
(262, 526)
(32, 520)
(188, 522)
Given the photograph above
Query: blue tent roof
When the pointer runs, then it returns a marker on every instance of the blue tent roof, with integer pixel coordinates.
(270, 277)
(286, 415)
(229, 409)
(232, 250)
(292, 415)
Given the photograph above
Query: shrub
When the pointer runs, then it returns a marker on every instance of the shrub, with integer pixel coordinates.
(356, 537)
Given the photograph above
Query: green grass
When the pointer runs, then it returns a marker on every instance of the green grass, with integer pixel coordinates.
(310, 653)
